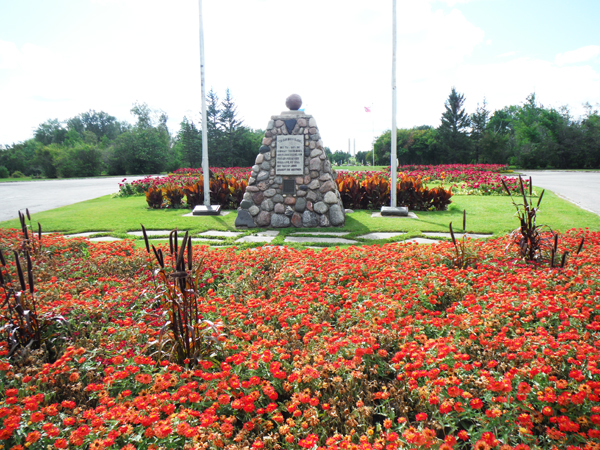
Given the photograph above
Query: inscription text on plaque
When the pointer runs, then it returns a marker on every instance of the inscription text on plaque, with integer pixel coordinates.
(290, 155)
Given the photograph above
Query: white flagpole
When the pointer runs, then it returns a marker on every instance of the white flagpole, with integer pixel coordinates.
(394, 131)
(205, 167)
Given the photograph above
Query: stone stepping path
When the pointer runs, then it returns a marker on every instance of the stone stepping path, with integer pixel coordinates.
(224, 234)
(384, 235)
(263, 236)
(86, 234)
(319, 240)
(321, 233)
(307, 237)
(105, 239)
(456, 235)
(150, 233)
(194, 240)
(422, 241)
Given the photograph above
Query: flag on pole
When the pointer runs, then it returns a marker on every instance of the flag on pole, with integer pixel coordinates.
(367, 109)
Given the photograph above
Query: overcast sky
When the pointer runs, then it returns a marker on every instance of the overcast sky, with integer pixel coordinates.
(59, 58)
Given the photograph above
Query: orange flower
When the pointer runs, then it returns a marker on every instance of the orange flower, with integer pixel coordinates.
(32, 437)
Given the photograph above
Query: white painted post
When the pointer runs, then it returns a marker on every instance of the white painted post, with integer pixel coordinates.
(205, 166)
(393, 182)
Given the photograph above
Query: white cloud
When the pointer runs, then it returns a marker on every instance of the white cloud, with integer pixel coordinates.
(579, 55)
(510, 83)
(506, 55)
(9, 55)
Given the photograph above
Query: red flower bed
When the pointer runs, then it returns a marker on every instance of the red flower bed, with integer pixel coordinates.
(470, 179)
(374, 347)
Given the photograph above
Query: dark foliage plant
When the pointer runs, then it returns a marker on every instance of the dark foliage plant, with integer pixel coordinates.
(173, 195)
(374, 192)
(465, 257)
(535, 242)
(185, 337)
(154, 197)
(21, 326)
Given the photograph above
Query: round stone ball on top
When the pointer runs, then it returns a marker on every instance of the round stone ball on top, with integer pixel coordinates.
(293, 102)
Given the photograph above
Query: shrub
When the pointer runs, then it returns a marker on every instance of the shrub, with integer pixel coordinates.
(374, 192)
(154, 197)
(173, 195)
(17, 174)
(4, 172)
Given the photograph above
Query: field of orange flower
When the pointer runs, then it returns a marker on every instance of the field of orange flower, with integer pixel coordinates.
(373, 347)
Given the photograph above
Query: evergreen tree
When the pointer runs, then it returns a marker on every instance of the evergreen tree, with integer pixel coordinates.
(479, 121)
(190, 144)
(230, 129)
(453, 131)
(213, 131)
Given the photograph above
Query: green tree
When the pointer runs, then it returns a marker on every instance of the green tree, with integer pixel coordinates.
(229, 126)
(189, 144)
(453, 131)
(417, 145)
(99, 123)
(479, 122)
(361, 157)
(22, 157)
(50, 132)
(145, 148)
(340, 157)
(213, 131)
(589, 156)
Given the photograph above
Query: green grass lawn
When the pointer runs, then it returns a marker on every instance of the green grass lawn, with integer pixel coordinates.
(8, 180)
(485, 214)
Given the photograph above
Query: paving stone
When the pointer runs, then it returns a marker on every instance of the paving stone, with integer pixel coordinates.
(319, 240)
(422, 241)
(456, 235)
(88, 233)
(271, 233)
(216, 233)
(321, 233)
(384, 235)
(105, 239)
(254, 238)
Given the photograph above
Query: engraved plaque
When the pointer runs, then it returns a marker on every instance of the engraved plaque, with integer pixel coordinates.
(290, 155)
(289, 187)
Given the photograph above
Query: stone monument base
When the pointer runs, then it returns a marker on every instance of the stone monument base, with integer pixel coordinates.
(292, 183)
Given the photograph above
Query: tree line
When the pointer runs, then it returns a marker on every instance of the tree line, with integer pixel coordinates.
(96, 143)
(529, 136)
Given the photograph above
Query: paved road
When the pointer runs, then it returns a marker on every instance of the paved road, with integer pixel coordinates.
(49, 194)
(580, 188)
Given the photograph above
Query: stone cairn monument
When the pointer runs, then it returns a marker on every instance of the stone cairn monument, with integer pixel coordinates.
(292, 183)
